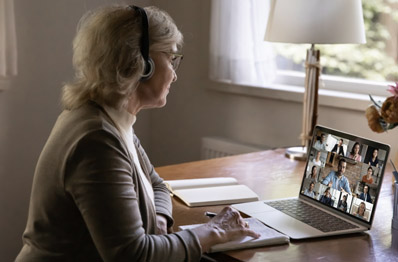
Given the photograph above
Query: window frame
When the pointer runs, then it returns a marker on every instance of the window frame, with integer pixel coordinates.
(336, 83)
(337, 92)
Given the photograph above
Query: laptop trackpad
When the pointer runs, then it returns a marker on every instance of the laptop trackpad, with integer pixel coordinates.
(278, 220)
(287, 225)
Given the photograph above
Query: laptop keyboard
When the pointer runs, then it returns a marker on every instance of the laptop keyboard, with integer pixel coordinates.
(310, 215)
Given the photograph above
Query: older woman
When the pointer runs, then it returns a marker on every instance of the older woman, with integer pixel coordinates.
(95, 194)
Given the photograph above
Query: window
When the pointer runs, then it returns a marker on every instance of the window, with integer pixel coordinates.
(349, 68)
(238, 53)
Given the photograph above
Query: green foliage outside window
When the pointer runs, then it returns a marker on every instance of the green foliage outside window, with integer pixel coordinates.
(369, 61)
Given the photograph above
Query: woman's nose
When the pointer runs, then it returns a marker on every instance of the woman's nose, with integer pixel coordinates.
(175, 77)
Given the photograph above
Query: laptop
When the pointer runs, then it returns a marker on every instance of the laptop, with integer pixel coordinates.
(339, 191)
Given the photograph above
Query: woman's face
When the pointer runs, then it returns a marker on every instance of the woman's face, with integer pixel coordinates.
(375, 153)
(313, 170)
(361, 208)
(152, 93)
(356, 149)
(369, 172)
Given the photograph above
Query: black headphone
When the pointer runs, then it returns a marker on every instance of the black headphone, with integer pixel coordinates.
(144, 44)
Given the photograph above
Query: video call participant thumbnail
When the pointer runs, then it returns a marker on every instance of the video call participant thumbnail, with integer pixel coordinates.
(337, 180)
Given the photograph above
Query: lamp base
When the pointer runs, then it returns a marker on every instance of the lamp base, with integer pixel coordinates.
(297, 153)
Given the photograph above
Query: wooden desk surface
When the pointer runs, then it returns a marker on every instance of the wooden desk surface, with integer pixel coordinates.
(271, 175)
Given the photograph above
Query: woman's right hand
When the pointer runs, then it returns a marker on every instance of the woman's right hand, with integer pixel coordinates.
(226, 226)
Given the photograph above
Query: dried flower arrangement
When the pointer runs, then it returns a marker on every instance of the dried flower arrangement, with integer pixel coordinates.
(384, 116)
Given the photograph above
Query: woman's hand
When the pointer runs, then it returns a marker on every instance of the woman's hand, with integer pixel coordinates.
(161, 224)
(226, 226)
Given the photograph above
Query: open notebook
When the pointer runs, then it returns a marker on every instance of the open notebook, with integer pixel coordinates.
(210, 191)
(339, 191)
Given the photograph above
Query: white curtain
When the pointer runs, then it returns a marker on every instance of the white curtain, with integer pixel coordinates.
(8, 42)
(238, 53)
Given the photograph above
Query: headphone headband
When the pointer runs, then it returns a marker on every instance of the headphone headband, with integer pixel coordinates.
(144, 43)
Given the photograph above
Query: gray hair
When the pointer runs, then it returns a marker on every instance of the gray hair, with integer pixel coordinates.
(106, 54)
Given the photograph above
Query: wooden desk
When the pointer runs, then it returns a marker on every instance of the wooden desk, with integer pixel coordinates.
(271, 175)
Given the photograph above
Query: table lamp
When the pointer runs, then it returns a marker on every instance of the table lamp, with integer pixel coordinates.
(313, 22)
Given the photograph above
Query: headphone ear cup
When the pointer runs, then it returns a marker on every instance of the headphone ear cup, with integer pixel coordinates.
(149, 69)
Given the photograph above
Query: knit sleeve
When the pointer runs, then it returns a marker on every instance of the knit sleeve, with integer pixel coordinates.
(98, 180)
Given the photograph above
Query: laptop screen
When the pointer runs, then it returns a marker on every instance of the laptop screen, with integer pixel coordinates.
(345, 172)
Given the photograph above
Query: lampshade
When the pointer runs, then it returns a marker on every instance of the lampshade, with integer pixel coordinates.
(316, 22)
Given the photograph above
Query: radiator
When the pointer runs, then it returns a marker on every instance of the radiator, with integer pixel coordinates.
(213, 147)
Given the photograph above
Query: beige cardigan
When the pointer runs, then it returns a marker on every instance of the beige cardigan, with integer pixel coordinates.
(88, 202)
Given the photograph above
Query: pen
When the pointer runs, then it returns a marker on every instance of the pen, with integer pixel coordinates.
(210, 214)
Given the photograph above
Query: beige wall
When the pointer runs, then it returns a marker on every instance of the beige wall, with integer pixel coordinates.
(45, 29)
